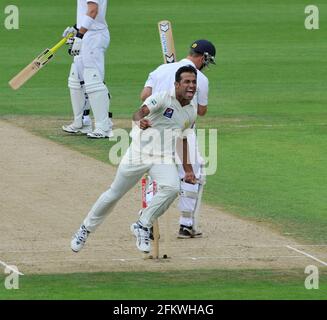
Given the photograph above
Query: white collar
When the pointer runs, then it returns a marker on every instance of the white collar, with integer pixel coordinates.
(189, 62)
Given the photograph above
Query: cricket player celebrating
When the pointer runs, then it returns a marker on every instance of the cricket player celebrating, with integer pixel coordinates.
(164, 114)
(201, 54)
(88, 46)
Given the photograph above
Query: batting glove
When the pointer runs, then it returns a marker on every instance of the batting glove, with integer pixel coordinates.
(76, 45)
(69, 30)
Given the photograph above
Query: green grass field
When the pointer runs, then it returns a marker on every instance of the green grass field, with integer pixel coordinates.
(267, 99)
(196, 285)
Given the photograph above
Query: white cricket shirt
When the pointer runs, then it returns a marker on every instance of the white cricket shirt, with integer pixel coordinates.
(163, 79)
(99, 21)
(168, 121)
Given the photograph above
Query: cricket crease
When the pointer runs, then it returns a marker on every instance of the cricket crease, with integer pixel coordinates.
(10, 268)
(308, 255)
(127, 260)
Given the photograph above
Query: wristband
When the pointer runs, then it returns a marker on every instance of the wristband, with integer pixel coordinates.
(87, 22)
(79, 35)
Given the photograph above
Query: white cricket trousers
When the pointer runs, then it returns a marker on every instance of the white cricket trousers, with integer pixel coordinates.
(90, 65)
(129, 172)
(94, 46)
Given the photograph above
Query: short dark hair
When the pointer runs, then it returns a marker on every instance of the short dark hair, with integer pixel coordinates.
(194, 53)
(183, 69)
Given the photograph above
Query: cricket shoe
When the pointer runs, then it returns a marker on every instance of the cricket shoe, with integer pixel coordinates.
(142, 235)
(188, 232)
(100, 134)
(79, 239)
(85, 129)
(151, 229)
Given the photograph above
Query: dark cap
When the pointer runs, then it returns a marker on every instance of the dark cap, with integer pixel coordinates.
(203, 46)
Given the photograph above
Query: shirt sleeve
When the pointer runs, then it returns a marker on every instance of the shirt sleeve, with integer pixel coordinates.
(153, 78)
(154, 103)
(150, 81)
(203, 90)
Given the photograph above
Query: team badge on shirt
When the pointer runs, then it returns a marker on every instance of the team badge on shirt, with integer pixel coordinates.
(168, 113)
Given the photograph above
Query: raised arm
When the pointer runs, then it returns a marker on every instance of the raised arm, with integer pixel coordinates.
(139, 115)
(146, 92)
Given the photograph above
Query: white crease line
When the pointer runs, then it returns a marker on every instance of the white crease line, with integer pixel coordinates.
(190, 258)
(121, 259)
(10, 268)
(177, 247)
(310, 245)
(308, 255)
(232, 258)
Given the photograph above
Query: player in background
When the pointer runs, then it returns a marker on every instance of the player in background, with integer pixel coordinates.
(86, 77)
(170, 112)
(201, 54)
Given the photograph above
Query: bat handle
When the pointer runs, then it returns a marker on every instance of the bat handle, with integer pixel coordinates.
(61, 43)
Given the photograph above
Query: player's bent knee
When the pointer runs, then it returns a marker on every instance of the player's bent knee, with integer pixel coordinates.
(171, 191)
(93, 81)
(111, 195)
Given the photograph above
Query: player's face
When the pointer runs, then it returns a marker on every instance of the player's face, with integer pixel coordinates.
(186, 88)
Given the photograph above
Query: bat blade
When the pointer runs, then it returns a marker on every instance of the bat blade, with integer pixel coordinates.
(30, 70)
(196, 210)
(167, 41)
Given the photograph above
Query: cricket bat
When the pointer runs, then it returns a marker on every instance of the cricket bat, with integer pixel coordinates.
(36, 65)
(167, 41)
